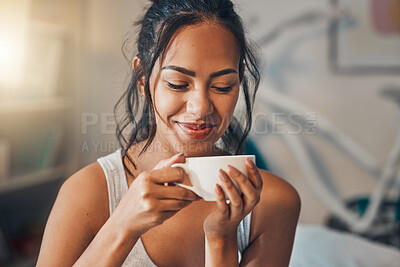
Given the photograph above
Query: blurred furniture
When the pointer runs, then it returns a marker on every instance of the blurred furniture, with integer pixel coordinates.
(354, 26)
(38, 114)
(378, 23)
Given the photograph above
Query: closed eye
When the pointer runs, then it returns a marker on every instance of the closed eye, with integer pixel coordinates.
(177, 86)
(184, 86)
(223, 89)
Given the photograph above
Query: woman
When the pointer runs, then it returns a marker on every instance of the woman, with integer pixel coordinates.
(124, 209)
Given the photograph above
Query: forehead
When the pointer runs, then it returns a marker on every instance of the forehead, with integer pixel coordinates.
(202, 46)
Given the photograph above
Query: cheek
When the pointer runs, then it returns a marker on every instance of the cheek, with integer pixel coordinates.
(225, 108)
(166, 103)
(232, 102)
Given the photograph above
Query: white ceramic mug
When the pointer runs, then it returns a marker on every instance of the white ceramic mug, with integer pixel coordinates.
(203, 172)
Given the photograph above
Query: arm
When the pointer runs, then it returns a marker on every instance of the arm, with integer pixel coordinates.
(221, 225)
(79, 212)
(110, 247)
(274, 223)
(80, 231)
(222, 252)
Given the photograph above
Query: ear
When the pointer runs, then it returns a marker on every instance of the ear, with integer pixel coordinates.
(137, 67)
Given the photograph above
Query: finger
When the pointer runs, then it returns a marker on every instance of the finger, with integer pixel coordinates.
(175, 192)
(178, 158)
(254, 174)
(222, 206)
(250, 193)
(165, 175)
(186, 179)
(236, 201)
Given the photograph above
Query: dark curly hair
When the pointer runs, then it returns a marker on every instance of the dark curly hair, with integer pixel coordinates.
(161, 21)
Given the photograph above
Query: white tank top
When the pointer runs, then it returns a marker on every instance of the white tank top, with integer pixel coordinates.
(117, 186)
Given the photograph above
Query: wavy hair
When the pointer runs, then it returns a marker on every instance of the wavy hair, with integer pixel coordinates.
(160, 22)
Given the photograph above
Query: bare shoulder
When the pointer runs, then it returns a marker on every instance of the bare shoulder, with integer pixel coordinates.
(86, 191)
(90, 177)
(279, 204)
(81, 208)
(278, 191)
(273, 223)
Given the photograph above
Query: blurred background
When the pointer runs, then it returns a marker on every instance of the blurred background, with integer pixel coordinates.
(326, 117)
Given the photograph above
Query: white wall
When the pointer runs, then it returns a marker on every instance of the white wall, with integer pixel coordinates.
(106, 24)
(353, 103)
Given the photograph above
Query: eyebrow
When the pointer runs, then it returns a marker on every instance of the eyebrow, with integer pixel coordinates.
(193, 74)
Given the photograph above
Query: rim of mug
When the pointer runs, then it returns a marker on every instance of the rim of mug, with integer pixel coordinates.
(226, 156)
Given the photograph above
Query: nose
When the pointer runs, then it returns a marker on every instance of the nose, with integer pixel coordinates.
(200, 104)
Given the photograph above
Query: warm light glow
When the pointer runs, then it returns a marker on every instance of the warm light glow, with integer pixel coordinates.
(13, 35)
(11, 65)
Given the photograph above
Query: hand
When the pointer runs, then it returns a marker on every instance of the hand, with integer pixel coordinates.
(149, 201)
(222, 223)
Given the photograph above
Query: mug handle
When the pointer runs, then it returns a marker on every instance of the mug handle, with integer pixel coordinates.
(191, 188)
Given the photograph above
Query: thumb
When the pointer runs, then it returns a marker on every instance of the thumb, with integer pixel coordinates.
(178, 158)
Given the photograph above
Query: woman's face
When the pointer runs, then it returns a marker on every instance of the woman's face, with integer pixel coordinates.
(195, 88)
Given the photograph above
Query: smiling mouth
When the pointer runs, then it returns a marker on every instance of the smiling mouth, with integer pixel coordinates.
(196, 126)
(196, 130)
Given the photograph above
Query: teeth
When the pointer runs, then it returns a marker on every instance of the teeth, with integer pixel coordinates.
(194, 127)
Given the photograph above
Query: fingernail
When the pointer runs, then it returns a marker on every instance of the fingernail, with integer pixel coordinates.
(233, 170)
(177, 155)
(223, 177)
(251, 164)
(218, 189)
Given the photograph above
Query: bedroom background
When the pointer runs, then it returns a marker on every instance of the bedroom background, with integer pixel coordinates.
(61, 72)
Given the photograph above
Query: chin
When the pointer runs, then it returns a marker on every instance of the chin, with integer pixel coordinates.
(196, 149)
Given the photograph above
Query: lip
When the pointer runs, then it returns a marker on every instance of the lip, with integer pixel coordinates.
(196, 130)
(196, 125)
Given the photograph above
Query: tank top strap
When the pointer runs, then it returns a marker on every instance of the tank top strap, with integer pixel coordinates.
(115, 175)
(243, 234)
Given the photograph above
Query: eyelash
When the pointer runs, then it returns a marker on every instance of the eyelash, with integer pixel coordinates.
(177, 87)
(183, 86)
